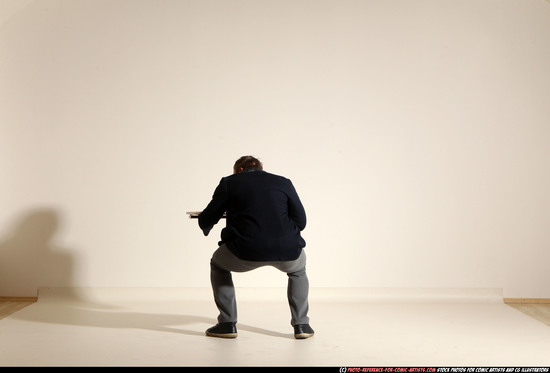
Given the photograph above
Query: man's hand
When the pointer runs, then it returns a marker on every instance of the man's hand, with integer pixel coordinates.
(206, 231)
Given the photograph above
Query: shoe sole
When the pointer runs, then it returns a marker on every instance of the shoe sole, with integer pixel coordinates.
(303, 335)
(222, 335)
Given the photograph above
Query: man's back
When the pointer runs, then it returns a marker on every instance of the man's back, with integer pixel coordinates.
(264, 216)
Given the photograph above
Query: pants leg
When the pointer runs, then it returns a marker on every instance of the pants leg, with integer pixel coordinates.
(297, 293)
(224, 293)
(297, 288)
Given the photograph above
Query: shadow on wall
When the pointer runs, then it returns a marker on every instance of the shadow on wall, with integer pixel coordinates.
(29, 257)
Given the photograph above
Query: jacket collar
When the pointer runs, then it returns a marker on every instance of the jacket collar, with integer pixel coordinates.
(251, 169)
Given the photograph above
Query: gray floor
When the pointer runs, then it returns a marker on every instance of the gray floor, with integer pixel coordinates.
(165, 327)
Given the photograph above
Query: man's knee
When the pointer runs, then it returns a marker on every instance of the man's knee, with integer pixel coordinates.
(299, 273)
(215, 267)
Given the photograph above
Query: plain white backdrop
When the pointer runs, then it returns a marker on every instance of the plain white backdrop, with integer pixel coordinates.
(416, 133)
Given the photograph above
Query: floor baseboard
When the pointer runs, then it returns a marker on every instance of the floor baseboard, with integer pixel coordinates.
(19, 299)
(527, 300)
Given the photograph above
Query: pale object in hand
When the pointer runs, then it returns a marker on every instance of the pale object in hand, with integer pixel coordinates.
(195, 214)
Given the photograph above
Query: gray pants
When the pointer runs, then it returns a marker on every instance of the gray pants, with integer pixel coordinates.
(224, 262)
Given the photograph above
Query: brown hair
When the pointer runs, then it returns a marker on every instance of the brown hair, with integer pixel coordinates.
(246, 162)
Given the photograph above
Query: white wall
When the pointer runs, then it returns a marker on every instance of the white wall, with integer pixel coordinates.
(417, 134)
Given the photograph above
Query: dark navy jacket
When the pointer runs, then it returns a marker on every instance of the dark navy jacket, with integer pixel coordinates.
(264, 216)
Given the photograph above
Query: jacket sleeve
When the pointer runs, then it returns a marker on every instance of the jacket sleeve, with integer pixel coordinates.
(296, 210)
(215, 209)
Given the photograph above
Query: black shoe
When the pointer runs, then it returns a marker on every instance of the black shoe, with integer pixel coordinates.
(303, 331)
(223, 330)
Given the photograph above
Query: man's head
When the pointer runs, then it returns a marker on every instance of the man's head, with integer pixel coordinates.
(247, 162)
